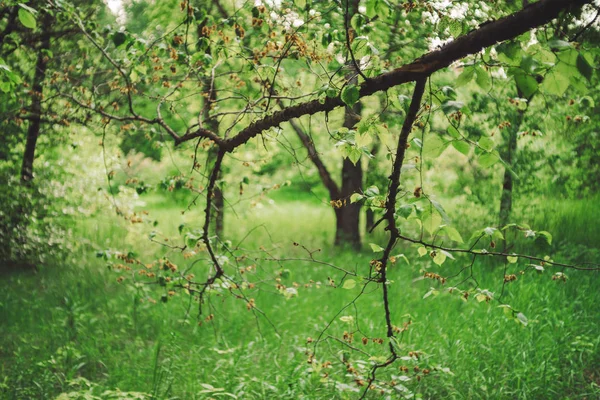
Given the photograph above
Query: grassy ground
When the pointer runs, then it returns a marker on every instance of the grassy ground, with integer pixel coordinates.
(72, 328)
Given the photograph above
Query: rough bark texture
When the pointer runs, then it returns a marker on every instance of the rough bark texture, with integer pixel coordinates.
(347, 217)
(347, 227)
(37, 90)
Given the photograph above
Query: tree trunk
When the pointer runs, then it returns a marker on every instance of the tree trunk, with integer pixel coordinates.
(508, 156)
(37, 89)
(218, 203)
(507, 183)
(208, 87)
(347, 227)
(348, 216)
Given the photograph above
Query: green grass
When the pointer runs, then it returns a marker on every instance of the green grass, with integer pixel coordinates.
(74, 321)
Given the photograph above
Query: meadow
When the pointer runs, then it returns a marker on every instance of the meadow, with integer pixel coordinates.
(72, 331)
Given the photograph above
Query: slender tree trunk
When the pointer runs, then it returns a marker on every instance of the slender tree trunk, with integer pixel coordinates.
(218, 203)
(509, 156)
(37, 90)
(506, 199)
(347, 227)
(348, 216)
(507, 183)
(208, 87)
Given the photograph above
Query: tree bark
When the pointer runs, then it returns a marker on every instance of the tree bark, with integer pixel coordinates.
(212, 124)
(509, 155)
(218, 202)
(348, 215)
(507, 182)
(37, 90)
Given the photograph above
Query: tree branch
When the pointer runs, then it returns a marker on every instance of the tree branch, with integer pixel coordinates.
(332, 187)
(487, 35)
(390, 206)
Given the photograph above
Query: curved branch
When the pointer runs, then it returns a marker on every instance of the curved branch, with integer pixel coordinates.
(332, 187)
(390, 206)
(487, 35)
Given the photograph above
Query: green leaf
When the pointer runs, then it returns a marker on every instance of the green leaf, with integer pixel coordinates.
(526, 84)
(587, 101)
(356, 197)
(452, 131)
(439, 258)
(27, 18)
(486, 160)
(363, 140)
(462, 147)
(483, 79)
(350, 95)
(465, 77)
(480, 297)
(486, 143)
(438, 206)
(402, 256)
(512, 259)
(431, 221)
(545, 235)
(509, 52)
(376, 248)
(371, 8)
(522, 319)
(508, 310)
(354, 155)
(372, 191)
(555, 83)
(455, 28)
(349, 284)
(434, 146)
(119, 38)
(453, 234)
(432, 292)
(584, 67)
(546, 56)
(357, 22)
(405, 210)
(382, 9)
(422, 251)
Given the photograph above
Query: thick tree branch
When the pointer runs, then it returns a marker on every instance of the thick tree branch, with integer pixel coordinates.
(489, 34)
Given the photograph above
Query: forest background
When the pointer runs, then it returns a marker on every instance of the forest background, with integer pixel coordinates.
(299, 199)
